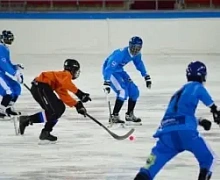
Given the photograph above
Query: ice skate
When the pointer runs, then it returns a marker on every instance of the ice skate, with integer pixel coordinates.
(132, 119)
(24, 121)
(46, 137)
(4, 116)
(12, 112)
(115, 119)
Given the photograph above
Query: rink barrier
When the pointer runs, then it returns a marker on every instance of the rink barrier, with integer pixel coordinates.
(113, 15)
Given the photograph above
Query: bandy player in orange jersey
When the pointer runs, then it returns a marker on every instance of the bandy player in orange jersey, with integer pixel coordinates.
(43, 90)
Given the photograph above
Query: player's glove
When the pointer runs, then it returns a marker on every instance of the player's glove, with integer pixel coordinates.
(84, 97)
(148, 81)
(205, 123)
(19, 66)
(107, 87)
(80, 108)
(19, 77)
(215, 113)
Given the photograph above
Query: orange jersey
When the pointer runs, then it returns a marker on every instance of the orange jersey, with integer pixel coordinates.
(61, 83)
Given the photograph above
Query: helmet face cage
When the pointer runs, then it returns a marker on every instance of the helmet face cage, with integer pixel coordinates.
(135, 45)
(7, 37)
(75, 74)
(135, 49)
(73, 67)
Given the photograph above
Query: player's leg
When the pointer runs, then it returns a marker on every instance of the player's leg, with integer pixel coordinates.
(133, 94)
(6, 94)
(16, 91)
(53, 110)
(203, 154)
(160, 155)
(118, 85)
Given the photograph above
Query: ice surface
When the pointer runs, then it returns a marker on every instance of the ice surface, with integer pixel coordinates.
(85, 151)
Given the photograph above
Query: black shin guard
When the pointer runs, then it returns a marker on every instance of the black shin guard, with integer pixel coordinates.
(204, 174)
(49, 126)
(118, 105)
(36, 118)
(14, 99)
(6, 100)
(131, 106)
(141, 176)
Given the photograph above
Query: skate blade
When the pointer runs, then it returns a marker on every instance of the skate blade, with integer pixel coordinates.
(130, 123)
(6, 118)
(46, 142)
(15, 121)
(116, 125)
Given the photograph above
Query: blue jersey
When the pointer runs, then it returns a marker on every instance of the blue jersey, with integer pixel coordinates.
(180, 113)
(118, 59)
(5, 62)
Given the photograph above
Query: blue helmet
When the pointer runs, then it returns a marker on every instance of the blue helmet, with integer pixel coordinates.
(7, 37)
(196, 71)
(135, 45)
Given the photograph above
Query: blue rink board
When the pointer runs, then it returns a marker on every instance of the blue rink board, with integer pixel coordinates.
(113, 15)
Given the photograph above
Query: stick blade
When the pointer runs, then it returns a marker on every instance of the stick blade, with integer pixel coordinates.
(123, 137)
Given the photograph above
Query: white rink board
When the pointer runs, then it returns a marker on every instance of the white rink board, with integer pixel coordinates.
(84, 150)
(161, 36)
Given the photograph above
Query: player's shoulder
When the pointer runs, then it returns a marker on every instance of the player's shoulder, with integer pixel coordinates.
(65, 73)
(118, 53)
(120, 50)
(194, 86)
(3, 47)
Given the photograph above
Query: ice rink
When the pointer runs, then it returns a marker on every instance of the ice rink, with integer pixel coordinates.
(84, 150)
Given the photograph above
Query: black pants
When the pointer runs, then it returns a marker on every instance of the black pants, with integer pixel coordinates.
(53, 106)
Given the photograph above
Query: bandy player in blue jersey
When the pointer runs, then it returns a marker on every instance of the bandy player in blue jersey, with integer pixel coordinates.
(117, 78)
(11, 77)
(178, 129)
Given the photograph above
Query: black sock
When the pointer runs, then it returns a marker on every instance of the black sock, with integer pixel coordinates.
(131, 105)
(6, 100)
(49, 125)
(118, 105)
(14, 99)
(37, 118)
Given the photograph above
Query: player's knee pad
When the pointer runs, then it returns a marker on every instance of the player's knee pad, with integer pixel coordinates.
(204, 174)
(133, 91)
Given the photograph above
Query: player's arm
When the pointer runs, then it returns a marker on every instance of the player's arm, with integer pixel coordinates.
(205, 123)
(71, 102)
(65, 97)
(4, 64)
(111, 67)
(67, 84)
(8, 69)
(139, 64)
(205, 97)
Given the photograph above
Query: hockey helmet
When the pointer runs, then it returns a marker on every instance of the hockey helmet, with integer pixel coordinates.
(7, 37)
(196, 71)
(135, 45)
(73, 67)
